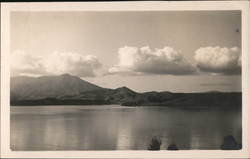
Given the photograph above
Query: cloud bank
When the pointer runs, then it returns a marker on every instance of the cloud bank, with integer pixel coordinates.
(219, 60)
(24, 63)
(54, 63)
(132, 61)
(144, 60)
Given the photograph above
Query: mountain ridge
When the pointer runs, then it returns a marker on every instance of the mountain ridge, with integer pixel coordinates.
(66, 89)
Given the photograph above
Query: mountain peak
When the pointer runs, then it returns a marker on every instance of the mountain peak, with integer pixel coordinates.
(66, 74)
(50, 86)
(124, 89)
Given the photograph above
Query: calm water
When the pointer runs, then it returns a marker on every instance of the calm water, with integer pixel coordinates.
(119, 128)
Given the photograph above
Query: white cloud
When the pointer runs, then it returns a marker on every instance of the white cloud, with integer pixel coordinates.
(133, 60)
(54, 63)
(24, 63)
(73, 63)
(219, 60)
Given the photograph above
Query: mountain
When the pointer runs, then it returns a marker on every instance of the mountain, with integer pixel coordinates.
(31, 88)
(71, 90)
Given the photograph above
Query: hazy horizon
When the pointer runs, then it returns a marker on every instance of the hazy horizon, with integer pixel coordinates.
(177, 51)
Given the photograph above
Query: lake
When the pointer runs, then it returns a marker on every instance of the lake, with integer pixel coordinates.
(113, 127)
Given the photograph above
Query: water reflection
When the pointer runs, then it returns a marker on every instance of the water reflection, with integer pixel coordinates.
(119, 128)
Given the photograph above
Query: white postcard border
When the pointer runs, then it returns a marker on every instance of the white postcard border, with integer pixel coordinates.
(6, 8)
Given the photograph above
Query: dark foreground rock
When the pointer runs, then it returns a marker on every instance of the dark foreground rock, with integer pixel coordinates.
(229, 143)
(155, 144)
(172, 147)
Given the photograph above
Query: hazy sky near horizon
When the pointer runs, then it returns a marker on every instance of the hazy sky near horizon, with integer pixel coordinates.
(179, 51)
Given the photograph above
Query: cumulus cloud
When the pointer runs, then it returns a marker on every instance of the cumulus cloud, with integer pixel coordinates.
(144, 60)
(24, 63)
(73, 63)
(219, 60)
(54, 63)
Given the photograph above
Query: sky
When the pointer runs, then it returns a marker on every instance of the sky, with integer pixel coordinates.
(178, 51)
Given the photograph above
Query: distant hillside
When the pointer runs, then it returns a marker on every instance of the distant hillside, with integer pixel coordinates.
(31, 88)
(71, 90)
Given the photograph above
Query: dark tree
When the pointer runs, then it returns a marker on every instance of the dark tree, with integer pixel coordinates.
(155, 144)
(229, 143)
